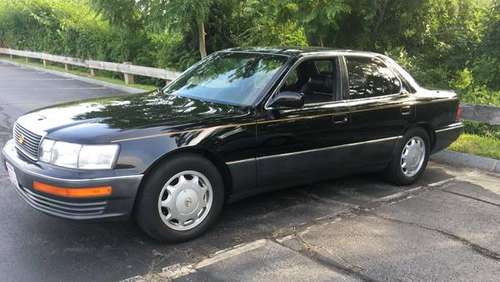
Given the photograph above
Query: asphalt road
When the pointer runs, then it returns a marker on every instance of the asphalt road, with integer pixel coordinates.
(37, 247)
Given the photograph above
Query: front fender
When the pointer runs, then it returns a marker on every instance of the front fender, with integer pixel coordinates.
(229, 143)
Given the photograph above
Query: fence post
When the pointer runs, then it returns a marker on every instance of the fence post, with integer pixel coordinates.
(92, 72)
(44, 63)
(27, 60)
(129, 78)
(11, 57)
(66, 67)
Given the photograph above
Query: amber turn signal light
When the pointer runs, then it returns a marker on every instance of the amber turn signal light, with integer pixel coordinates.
(84, 192)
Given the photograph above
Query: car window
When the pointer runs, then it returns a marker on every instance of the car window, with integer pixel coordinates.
(316, 79)
(369, 77)
(292, 78)
(228, 78)
(324, 66)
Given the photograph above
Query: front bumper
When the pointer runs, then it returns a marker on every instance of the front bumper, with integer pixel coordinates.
(119, 204)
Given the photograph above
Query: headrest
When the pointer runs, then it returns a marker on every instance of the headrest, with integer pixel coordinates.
(322, 84)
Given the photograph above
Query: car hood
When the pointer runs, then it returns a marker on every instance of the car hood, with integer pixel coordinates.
(104, 119)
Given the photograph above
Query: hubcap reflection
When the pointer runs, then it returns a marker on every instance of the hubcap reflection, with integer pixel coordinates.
(185, 200)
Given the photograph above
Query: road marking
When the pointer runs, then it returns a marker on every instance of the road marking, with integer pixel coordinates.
(439, 183)
(399, 194)
(177, 270)
(412, 191)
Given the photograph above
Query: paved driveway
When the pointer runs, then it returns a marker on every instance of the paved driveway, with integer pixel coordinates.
(444, 227)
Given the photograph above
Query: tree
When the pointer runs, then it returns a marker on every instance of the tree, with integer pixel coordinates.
(320, 18)
(181, 16)
(159, 15)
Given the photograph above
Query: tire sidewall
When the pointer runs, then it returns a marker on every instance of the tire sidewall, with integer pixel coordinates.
(147, 213)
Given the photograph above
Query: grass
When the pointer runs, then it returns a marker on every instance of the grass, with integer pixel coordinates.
(79, 71)
(477, 145)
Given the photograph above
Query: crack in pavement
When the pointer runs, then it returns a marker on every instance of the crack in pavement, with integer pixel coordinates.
(471, 197)
(327, 201)
(312, 252)
(473, 246)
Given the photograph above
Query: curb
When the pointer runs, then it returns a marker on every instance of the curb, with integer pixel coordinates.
(467, 160)
(127, 89)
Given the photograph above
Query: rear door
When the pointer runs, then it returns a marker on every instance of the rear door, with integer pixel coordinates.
(380, 109)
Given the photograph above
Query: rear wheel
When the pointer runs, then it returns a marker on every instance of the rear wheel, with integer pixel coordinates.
(181, 199)
(410, 158)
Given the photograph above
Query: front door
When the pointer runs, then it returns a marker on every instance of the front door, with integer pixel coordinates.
(300, 145)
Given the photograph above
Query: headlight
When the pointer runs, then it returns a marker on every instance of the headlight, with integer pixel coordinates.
(78, 156)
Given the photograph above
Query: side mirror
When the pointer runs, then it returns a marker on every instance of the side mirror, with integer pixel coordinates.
(288, 99)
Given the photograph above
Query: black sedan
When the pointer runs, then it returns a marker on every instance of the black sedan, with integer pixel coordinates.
(238, 123)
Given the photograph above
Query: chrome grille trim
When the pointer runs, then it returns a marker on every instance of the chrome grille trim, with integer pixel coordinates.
(31, 145)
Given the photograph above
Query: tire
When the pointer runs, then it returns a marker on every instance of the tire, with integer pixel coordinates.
(396, 173)
(182, 195)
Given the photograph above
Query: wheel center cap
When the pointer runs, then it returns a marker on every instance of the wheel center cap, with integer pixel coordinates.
(187, 201)
(413, 156)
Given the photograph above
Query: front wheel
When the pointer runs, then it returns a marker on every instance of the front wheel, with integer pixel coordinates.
(410, 158)
(181, 199)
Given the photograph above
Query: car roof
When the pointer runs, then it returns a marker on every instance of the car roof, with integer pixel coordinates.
(301, 51)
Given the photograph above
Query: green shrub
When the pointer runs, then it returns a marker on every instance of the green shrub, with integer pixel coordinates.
(480, 95)
(68, 28)
(482, 129)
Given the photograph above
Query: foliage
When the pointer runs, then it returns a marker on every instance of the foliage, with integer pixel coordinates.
(443, 43)
(319, 18)
(477, 145)
(479, 139)
(261, 24)
(60, 27)
(482, 129)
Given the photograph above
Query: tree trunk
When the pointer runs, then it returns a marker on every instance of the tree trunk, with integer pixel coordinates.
(380, 20)
(202, 45)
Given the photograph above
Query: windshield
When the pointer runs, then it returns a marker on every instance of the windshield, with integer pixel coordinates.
(228, 78)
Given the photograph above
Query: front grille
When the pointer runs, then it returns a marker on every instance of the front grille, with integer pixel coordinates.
(27, 142)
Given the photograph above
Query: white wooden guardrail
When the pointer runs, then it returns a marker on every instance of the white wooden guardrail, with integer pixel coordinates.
(481, 113)
(127, 69)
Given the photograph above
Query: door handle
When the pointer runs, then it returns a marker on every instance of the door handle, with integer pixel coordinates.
(406, 110)
(340, 119)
